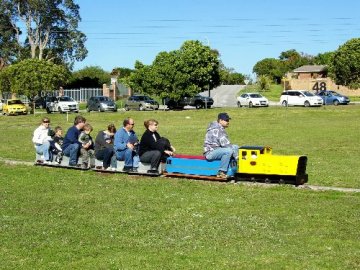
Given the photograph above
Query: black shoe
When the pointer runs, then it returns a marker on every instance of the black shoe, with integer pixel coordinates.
(127, 169)
(84, 166)
(72, 165)
(153, 171)
(134, 169)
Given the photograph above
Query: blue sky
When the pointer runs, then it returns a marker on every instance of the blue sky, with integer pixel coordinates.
(119, 32)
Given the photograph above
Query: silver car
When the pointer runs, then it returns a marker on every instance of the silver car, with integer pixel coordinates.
(141, 103)
(101, 104)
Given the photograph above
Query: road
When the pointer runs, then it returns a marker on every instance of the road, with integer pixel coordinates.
(224, 95)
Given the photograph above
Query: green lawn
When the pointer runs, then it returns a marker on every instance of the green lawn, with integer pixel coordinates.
(66, 219)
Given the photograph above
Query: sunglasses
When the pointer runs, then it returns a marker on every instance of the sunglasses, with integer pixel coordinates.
(46, 122)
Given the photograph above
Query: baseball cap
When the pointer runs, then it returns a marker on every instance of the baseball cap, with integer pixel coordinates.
(224, 116)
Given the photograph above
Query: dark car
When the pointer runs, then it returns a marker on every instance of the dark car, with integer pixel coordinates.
(40, 102)
(333, 98)
(198, 101)
(101, 104)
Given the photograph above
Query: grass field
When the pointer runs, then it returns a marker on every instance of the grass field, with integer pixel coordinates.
(65, 219)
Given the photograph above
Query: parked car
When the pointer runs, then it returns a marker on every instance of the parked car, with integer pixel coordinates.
(61, 104)
(198, 101)
(141, 103)
(332, 97)
(101, 104)
(40, 102)
(252, 100)
(14, 107)
(300, 98)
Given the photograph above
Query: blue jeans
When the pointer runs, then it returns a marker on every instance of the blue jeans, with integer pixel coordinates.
(72, 151)
(131, 158)
(224, 155)
(44, 149)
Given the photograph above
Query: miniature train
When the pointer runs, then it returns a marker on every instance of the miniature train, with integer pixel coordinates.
(255, 163)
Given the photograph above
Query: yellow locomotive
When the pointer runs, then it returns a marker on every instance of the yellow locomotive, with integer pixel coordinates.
(258, 163)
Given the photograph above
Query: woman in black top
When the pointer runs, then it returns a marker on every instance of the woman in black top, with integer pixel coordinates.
(153, 148)
(104, 147)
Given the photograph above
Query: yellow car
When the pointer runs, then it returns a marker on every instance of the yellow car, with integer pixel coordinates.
(14, 107)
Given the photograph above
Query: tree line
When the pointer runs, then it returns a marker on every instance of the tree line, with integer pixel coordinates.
(343, 64)
(42, 57)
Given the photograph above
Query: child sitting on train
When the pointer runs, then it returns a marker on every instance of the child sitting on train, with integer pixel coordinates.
(56, 143)
(87, 146)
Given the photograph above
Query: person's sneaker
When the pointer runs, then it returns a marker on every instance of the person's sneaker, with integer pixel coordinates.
(72, 165)
(47, 162)
(127, 169)
(84, 166)
(58, 158)
(221, 175)
(134, 169)
(153, 171)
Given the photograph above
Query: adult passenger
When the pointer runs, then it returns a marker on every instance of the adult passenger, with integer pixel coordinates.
(71, 145)
(217, 145)
(41, 140)
(126, 145)
(154, 148)
(104, 146)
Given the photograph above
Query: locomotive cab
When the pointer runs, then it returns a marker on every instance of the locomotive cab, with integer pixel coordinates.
(257, 163)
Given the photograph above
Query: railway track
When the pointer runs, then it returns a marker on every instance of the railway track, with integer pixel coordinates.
(305, 186)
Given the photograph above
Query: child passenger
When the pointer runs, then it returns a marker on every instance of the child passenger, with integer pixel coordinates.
(56, 143)
(87, 146)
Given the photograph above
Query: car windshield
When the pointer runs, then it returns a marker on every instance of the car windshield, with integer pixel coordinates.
(104, 99)
(335, 93)
(14, 102)
(66, 99)
(308, 94)
(255, 95)
(144, 98)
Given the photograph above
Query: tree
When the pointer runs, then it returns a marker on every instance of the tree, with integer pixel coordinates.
(345, 67)
(264, 82)
(51, 29)
(271, 67)
(229, 76)
(124, 72)
(324, 58)
(32, 76)
(276, 68)
(8, 39)
(294, 59)
(187, 71)
(93, 76)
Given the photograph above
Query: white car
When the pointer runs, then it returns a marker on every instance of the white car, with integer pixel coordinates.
(300, 98)
(1, 104)
(252, 100)
(61, 104)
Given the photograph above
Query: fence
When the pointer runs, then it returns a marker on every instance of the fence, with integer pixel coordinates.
(82, 94)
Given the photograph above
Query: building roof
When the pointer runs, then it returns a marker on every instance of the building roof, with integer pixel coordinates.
(311, 69)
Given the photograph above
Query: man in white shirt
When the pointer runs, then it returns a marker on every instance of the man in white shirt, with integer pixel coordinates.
(41, 140)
